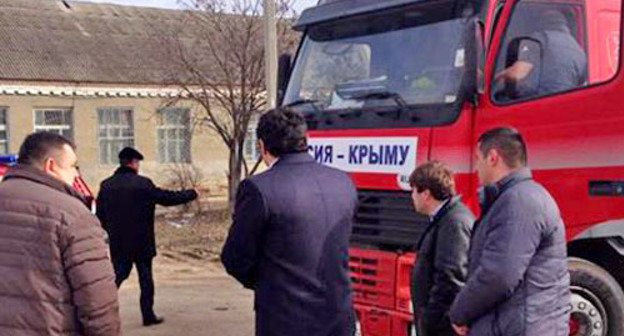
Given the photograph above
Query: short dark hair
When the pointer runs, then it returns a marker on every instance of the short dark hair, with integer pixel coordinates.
(509, 144)
(39, 146)
(436, 177)
(283, 131)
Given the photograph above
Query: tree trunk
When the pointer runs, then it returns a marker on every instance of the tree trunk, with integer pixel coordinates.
(234, 176)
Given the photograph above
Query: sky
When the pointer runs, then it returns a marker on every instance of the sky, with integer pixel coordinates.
(299, 5)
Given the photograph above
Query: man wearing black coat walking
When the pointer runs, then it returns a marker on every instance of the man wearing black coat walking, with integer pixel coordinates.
(290, 237)
(442, 264)
(125, 206)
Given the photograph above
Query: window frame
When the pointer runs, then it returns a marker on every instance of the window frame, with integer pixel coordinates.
(179, 127)
(5, 127)
(112, 156)
(498, 51)
(251, 139)
(55, 128)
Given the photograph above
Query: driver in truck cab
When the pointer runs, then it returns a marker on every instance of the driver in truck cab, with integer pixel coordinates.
(547, 61)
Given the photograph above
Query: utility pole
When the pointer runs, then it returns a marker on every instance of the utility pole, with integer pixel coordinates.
(270, 51)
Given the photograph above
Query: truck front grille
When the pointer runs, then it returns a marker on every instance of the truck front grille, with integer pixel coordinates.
(387, 220)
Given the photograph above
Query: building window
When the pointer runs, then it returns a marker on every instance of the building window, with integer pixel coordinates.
(174, 135)
(251, 145)
(116, 131)
(54, 120)
(4, 133)
(252, 152)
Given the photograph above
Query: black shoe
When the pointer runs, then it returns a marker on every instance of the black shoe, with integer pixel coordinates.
(153, 321)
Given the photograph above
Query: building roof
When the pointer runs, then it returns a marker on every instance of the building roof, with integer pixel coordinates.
(70, 41)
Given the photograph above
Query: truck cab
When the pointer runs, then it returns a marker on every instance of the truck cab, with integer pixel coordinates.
(388, 84)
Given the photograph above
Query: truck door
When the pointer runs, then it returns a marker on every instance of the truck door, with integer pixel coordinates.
(566, 106)
(552, 72)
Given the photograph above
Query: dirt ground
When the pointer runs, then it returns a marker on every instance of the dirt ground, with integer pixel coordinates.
(187, 236)
(193, 292)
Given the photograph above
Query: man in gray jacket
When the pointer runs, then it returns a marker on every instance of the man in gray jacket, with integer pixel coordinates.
(518, 282)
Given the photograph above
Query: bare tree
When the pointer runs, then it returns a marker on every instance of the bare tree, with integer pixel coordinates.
(186, 176)
(217, 60)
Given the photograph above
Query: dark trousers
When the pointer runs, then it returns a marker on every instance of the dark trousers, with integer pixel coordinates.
(441, 328)
(123, 267)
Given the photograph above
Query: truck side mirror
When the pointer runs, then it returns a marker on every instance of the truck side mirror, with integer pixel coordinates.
(283, 75)
(524, 62)
(474, 52)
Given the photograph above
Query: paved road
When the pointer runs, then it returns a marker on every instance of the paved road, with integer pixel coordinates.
(195, 299)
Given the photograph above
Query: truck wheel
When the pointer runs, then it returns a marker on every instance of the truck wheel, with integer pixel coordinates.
(597, 301)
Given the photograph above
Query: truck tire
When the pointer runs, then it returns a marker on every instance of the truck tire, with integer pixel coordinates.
(597, 301)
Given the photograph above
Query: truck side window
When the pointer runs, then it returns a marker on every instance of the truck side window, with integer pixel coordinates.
(549, 48)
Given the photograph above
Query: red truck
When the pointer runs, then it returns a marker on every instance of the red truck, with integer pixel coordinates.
(5, 162)
(388, 84)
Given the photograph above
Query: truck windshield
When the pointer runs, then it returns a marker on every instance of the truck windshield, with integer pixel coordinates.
(360, 64)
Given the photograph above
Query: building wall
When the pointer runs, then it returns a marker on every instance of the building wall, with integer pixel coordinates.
(208, 153)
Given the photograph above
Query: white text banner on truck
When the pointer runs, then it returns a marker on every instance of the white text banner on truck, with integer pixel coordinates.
(388, 155)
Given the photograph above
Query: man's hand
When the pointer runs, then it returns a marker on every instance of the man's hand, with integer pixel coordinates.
(515, 73)
(461, 330)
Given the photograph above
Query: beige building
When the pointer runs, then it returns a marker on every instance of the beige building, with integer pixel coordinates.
(92, 72)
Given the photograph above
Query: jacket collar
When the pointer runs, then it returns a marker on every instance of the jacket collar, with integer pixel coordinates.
(438, 209)
(513, 178)
(125, 170)
(492, 192)
(294, 158)
(446, 206)
(433, 224)
(38, 176)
